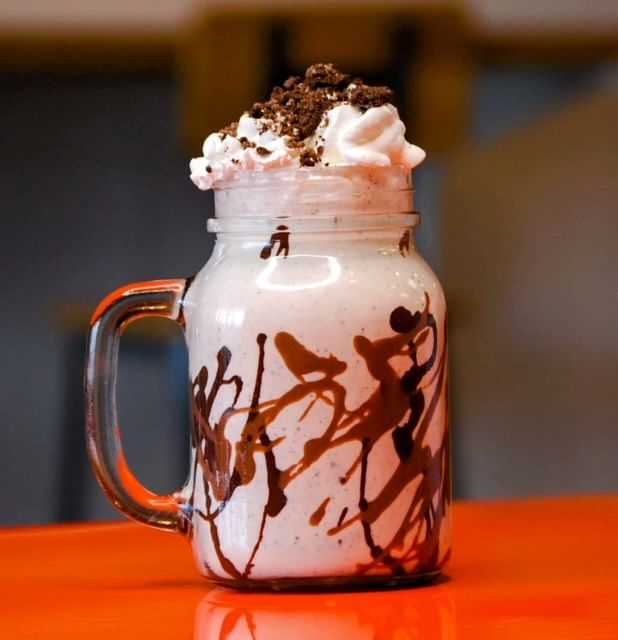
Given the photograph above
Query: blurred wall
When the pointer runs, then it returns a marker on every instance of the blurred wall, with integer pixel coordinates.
(530, 268)
(506, 14)
(93, 193)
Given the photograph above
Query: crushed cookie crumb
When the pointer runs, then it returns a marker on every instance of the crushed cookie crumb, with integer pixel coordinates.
(308, 158)
(291, 82)
(230, 130)
(325, 75)
(365, 97)
(246, 143)
(256, 111)
(296, 109)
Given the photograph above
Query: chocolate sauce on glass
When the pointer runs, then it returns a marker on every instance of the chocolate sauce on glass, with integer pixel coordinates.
(382, 412)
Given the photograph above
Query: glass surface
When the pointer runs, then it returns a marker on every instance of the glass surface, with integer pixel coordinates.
(318, 367)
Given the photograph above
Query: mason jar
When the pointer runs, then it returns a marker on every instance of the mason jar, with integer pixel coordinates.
(318, 369)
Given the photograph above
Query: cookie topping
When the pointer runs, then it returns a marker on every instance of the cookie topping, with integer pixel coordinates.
(324, 118)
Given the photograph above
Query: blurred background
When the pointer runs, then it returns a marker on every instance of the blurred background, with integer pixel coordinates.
(102, 103)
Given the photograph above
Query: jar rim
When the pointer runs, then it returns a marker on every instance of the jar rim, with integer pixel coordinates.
(263, 226)
(378, 176)
(316, 191)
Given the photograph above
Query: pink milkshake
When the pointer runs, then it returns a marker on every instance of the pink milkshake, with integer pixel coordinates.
(317, 353)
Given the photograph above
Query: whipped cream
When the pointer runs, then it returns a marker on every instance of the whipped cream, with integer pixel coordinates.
(348, 134)
(373, 138)
(224, 155)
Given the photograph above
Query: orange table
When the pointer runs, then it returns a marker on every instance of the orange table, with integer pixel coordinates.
(536, 569)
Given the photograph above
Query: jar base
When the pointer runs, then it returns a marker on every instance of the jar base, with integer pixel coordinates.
(339, 583)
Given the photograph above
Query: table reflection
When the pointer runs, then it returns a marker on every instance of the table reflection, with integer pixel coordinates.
(424, 612)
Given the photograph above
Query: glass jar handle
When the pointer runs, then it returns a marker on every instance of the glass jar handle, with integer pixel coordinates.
(160, 298)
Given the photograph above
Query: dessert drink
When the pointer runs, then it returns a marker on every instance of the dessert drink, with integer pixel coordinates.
(317, 354)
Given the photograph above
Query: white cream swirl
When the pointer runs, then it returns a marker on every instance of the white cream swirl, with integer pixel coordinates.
(346, 135)
(373, 138)
(224, 155)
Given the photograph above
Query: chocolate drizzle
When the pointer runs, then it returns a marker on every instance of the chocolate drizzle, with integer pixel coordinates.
(280, 237)
(276, 498)
(318, 515)
(404, 243)
(402, 405)
(342, 516)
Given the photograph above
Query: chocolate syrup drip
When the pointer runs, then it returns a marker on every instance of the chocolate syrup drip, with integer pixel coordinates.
(402, 321)
(318, 515)
(214, 452)
(281, 237)
(276, 498)
(226, 563)
(398, 405)
(404, 243)
(342, 515)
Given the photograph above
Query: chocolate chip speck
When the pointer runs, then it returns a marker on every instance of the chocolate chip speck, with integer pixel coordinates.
(308, 158)
(263, 151)
(246, 143)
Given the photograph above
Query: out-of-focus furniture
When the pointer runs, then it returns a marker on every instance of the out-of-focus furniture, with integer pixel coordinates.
(531, 569)
(543, 31)
(235, 51)
(229, 52)
(530, 266)
(109, 36)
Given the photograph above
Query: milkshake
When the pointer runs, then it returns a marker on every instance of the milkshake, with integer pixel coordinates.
(317, 354)
(317, 350)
